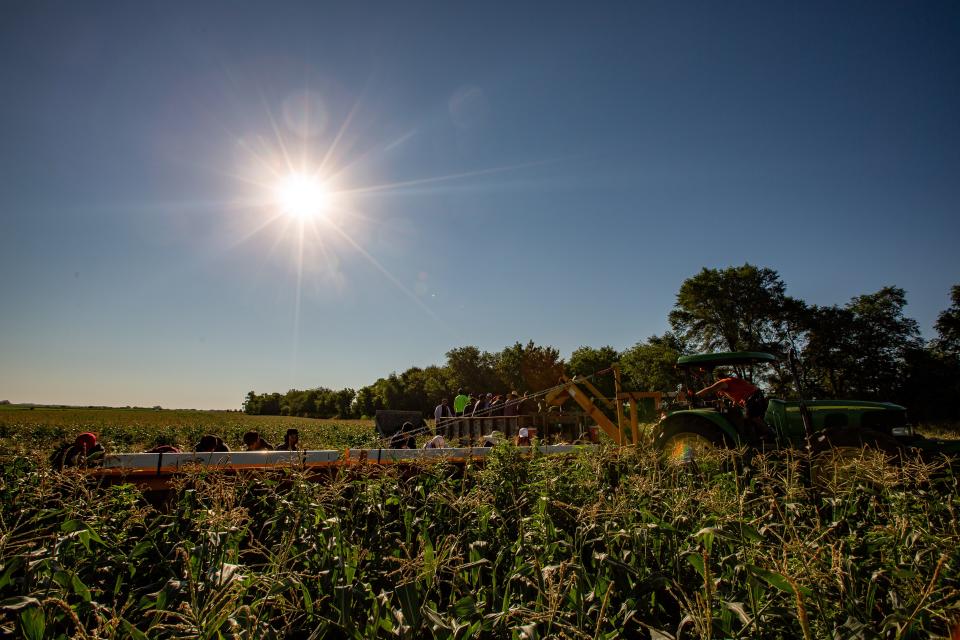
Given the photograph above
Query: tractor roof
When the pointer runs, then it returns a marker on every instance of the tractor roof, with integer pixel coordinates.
(727, 358)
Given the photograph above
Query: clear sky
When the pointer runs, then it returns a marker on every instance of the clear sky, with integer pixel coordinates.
(475, 173)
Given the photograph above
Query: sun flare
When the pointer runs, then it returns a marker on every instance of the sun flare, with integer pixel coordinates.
(302, 196)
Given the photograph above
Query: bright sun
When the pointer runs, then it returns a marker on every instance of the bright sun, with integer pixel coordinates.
(302, 196)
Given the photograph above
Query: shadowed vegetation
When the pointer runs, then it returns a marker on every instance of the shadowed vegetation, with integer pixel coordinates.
(605, 544)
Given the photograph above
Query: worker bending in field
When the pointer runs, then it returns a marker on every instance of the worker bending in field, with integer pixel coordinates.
(210, 444)
(84, 450)
(254, 442)
(291, 441)
(748, 396)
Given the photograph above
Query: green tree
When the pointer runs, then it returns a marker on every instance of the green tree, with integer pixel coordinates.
(343, 400)
(472, 369)
(735, 309)
(884, 336)
(862, 348)
(251, 404)
(365, 402)
(947, 341)
(529, 367)
(586, 361)
(270, 404)
(829, 353)
(651, 365)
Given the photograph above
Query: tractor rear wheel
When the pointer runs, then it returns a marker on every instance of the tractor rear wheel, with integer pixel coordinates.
(690, 442)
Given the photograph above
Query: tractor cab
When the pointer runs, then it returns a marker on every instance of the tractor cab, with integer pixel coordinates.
(700, 371)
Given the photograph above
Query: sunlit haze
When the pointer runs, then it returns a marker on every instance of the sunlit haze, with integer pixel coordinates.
(203, 199)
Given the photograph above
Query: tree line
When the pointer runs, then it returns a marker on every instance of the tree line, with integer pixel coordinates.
(866, 349)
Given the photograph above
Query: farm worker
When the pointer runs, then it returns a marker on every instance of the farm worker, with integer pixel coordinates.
(460, 402)
(482, 404)
(511, 405)
(163, 448)
(436, 442)
(290, 441)
(442, 411)
(493, 439)
(404, 439)
(255, 443)
(523, 437)
(84, 449)
(210, 444)
(746, 395)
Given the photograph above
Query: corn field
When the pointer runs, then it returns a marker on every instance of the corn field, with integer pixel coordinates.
(601, 544)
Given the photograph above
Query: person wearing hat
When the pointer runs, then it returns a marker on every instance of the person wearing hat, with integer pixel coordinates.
(84, 450)
(291, 441)
(523, 437)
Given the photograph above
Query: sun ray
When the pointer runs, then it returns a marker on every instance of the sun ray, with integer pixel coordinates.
(297, 297)
(393, 279)
(439, 179)
(276, 132)
(340, 133)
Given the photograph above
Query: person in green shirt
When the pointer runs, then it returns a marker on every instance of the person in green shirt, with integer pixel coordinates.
(460, 402)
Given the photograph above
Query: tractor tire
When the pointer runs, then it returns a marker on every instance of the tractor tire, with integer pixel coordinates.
(687, 442)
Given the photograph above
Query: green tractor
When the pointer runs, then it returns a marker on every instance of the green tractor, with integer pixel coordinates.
(695, 426)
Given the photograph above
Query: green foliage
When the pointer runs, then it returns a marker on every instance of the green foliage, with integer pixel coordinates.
(861, 349)
(37, 431)
(520, 367)
(651, 365)
(734, 309)
(947, 342)
(586, 361)
(528, 367)
(604, 544)
(868, 349)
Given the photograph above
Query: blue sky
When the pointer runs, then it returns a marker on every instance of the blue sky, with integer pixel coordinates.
(500, 172)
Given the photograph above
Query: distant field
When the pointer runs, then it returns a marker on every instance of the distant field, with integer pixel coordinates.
(31, 431)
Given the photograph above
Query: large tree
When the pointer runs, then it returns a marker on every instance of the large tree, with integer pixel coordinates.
(862, 348)
(651, 365)
(735, 309)
(472, 369)
(529, 367)
(829, 353)
(947, 341)
(586, 361)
